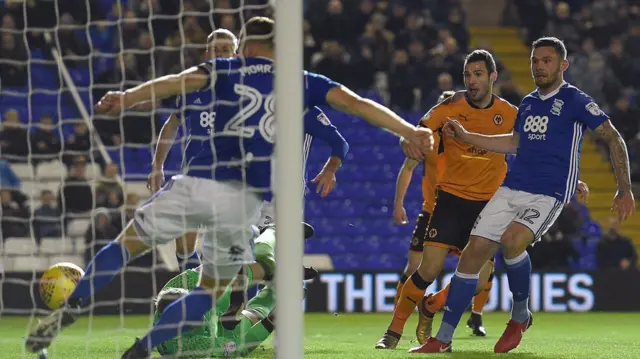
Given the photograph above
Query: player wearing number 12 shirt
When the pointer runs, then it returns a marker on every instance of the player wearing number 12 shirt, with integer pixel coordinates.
(223, 185)
(547, 139)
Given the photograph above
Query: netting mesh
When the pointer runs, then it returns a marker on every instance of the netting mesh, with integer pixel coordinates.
(71, 179)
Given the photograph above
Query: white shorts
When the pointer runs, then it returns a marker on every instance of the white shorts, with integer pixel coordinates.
(537, 212)
(225, 211)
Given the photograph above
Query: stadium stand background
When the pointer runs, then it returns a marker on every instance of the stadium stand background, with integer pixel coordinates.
(61, 201)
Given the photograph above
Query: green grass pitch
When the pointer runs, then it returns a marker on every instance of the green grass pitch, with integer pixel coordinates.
(353, 336)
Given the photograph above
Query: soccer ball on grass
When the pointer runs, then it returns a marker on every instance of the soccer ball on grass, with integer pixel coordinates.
(58, 282)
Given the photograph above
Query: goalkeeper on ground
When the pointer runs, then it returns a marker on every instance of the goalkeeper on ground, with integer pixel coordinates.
(256, 321)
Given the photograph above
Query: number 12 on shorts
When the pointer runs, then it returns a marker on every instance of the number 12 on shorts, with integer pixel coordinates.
(529, 214)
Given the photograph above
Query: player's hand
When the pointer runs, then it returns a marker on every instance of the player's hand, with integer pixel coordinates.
(421, 140)
(155, 180)
(624, 204)
(453, 128)
(583, 192)
(400, 215)
(325, 182)
(410, 151)
(112, 103)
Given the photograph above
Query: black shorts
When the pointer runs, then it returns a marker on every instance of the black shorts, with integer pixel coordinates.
(420, 232)
(452, 221)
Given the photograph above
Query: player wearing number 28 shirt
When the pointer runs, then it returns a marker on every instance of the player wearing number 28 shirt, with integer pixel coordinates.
(547, 139)
(223, 184)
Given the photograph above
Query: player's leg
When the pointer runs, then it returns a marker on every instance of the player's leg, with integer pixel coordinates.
(475, 322)
(227, 246)
(483, 243)
(536, 214)
(432, 304)
(443, 234)
(157, 221)
(186, 253)
(415, 251)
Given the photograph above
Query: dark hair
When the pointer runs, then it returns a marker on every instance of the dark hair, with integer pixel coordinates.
(484, 56)
(554, 42)
(259, 28)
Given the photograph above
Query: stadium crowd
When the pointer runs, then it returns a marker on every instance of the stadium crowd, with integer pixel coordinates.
(406, 52)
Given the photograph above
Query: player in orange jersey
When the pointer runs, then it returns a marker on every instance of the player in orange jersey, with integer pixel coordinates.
(433, 165)
(470, 177)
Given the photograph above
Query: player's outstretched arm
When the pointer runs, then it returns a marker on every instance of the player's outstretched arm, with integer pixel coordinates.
(507, 143)
(623, 202)
(402, 184)
(190, 80)
(326, 180)
(165, 141)
(345, 100)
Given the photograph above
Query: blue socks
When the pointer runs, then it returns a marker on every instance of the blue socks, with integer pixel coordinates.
(191, 262)
(519, 274)
(184, 314)
(463, 287)
(101, 270)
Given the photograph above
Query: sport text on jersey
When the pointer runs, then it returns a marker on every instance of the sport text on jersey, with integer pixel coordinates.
(256, 69)
(536, 126)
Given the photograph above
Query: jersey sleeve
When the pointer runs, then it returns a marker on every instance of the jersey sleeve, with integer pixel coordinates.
(318, 125)
(588, 111)
(316, 88)
(435, 118)
(210, 68)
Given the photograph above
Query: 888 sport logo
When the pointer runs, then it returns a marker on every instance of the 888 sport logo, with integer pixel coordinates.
(536, 127)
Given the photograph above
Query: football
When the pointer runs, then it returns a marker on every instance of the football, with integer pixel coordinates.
(58, 282)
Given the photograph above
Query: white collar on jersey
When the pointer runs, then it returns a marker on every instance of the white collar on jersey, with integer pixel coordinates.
(552, 93)
(262, 58)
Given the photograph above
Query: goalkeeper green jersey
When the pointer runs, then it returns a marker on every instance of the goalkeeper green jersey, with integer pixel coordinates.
(211, 339)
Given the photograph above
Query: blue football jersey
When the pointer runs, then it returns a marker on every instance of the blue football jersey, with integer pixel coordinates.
(317, 125)
(230, 123)
(551, 130)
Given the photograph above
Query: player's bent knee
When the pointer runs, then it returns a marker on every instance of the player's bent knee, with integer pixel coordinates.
(516, 239)
(168, 296)
(476, 254)
(187, 243)
(433, 259)
(131, 241)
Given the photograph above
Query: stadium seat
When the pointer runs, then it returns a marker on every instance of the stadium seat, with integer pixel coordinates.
(53, 170)
(24, 171)
(20, 246)
(78, 227)
(69, 258)
(30, 264)
(52, 245)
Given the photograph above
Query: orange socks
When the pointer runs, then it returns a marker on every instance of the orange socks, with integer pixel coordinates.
(481, 299)
(437, 301)
(412, 293)
(401, 283)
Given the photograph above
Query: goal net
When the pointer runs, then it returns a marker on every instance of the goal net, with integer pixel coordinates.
(71, 178)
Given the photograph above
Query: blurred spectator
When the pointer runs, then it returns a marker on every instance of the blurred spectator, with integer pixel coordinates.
(563, 26)
(625, 118)
(458, 29)
(15, 218)
(620, 63)
(445, 83)
(78, 144)
(14, 138)
(632, 46)
(614, 250)
(380, 41)
(107, 185)
(46, 139)
(71, 41)
(600, 83)
(47, 219)
(13, 60)
(76, 195)
(100, 232)
(508, 90)
(553, 252)
(8, 178)
(400, 80)
(334, 62)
